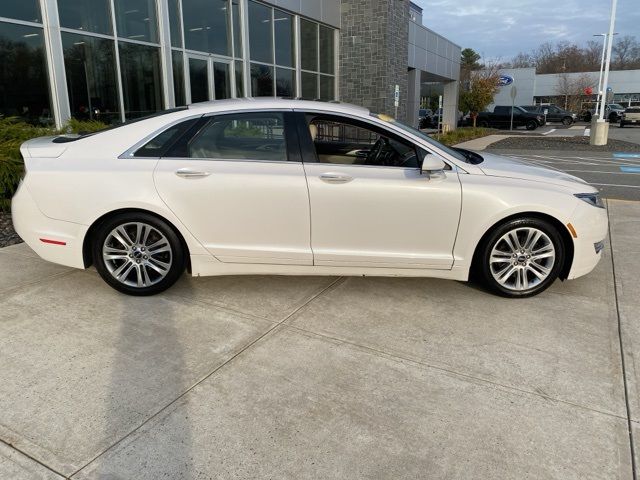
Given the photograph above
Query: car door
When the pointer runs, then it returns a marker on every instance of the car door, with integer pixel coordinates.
(237, 183)
(368, 213)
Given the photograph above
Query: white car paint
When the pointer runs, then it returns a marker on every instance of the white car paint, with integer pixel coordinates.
(252, 217)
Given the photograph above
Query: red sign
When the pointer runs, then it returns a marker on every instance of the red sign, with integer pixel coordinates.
(588, 91)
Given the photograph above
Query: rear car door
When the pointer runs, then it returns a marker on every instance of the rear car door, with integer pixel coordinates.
(371, 210)
(237, 183)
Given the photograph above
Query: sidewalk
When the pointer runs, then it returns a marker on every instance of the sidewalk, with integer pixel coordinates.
(315, 377)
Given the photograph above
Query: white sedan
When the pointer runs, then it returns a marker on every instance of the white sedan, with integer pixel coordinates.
(291, 187)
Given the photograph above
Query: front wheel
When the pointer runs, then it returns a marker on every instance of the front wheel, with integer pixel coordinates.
(138, 254)
(567, 121)
(483, 124)
(521, 258)
(531, 125)
(621, 124)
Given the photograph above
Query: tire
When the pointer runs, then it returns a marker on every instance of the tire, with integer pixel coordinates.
(587, 117)
(138, 254)
(496, 266)
(621, 124)
(531, 125)
(566, 121)
(483, 124)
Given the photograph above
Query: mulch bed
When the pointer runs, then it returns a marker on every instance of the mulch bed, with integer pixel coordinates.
(8, 236)
(562, 143)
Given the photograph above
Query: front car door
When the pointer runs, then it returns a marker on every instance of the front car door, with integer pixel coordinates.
(237, 183)
(370, 204)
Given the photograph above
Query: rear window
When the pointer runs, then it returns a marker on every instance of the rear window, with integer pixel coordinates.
(81, 135)
(165, 140)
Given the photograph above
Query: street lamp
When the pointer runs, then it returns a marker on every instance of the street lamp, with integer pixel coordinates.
(605, 79)
(604, 48)
(600, 128)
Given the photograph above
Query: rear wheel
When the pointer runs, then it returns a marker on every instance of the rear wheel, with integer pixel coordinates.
(621, 124)
(531, 125)
(483, 124)
(567, 121)
(521, 258)
(138, 254)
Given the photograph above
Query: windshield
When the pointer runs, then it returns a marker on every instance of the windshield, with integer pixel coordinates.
(615, 106)
(455, 154)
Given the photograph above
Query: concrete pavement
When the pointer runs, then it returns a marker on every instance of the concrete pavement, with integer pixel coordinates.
(286, 377)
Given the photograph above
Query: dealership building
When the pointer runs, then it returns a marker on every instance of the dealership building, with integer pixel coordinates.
(533, 88)
(115, 60)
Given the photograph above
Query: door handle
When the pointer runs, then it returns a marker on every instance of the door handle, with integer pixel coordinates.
(188, 173)
(335, 178)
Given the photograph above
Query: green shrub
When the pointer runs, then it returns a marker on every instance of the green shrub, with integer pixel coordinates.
(13, 133)
(84, 126)
(463, 134)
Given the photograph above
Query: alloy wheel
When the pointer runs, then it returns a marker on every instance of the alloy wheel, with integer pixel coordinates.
(522, 258)
(137, 254)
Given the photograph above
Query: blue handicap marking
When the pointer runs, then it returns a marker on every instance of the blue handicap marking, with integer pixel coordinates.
(628, 169)
(626, 155)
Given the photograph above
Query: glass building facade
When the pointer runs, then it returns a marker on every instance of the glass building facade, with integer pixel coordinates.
(113, 60)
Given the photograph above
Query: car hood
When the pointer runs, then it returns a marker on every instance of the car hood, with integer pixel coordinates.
(499, 166)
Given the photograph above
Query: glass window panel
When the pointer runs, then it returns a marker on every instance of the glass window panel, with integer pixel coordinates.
(24, 86)
(90, 67)
(327, 58)
(309, 45)
(261, 80)
(165, 140)
(246, 136)
(199, 79)
(239, 79)
(178, 78)
(285, 82)
(283, 25)
(222, 80)
(28, 10)
(141, 79)
(136, 19)
(260, 38)
(206, 26)
(309, 86)
(175, 25)
(237, 30)
(327, 88)
(88, 15)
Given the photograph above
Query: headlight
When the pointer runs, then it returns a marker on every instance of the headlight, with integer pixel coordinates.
(591, 198)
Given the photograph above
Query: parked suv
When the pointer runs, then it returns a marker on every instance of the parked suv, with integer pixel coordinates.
(501, 118)
(631, 116)
(553, 113)
(612, 112)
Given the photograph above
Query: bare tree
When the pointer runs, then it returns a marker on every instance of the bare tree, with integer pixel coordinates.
(626, 53)
(570, 89)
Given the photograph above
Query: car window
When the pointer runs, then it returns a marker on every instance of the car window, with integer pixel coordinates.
(244, 136)
(345, 141)
(163, 141)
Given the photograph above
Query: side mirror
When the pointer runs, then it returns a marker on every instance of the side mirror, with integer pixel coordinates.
(433, 166)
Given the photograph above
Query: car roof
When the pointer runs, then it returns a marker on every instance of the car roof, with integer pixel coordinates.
(274, 103)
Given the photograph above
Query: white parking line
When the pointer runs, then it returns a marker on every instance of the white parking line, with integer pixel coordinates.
(547, 133)
(587, 132)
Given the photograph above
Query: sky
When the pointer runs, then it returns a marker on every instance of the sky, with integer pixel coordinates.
(499, 29)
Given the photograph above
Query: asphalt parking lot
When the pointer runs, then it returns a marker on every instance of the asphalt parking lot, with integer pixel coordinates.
(312, 377)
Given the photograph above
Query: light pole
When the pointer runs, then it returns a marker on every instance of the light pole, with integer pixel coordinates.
(605, 78)
(600, 128)
(604, 48)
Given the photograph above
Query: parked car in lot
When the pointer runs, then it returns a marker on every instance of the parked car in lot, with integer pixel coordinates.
(501, 118)
(425, 118)
(552, 113)
(612, 112)
(291, 187)
(630, 116)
